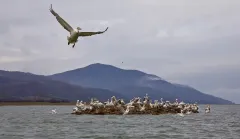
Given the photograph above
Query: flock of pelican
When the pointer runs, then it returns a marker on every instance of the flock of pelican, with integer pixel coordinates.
(135, 106)
(74, 33)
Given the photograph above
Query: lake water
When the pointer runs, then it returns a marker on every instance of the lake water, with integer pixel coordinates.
(37, 122)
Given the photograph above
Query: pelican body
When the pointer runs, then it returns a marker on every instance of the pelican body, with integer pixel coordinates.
(74, 33)
(73, 38)
(207, 110)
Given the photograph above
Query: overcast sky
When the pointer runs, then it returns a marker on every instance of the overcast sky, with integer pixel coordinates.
(183, 41)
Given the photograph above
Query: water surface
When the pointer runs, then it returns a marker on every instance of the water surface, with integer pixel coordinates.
(37, 122)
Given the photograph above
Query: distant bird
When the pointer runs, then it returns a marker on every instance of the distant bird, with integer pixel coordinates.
(207, 110)
(188, 112)
(181, 114)
(74, 33)
(54, 111)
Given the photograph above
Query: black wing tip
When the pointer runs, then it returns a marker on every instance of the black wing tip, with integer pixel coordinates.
(106, 29)
(50, 7)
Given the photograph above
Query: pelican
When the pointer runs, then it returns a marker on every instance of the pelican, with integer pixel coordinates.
(74, 33)
(54, 111)
(181, 114)
(207, 110)
(75, 109)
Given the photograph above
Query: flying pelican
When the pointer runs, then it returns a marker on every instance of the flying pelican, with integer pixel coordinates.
(74, 33)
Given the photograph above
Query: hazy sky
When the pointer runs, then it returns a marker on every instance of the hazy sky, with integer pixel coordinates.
(183, 41)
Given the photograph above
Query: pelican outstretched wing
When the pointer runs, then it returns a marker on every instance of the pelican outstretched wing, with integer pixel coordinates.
(83, 34)
(61, 21)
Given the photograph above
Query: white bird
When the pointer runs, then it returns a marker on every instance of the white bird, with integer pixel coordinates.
(181, 103)
(188, 112)
(74, 33)
(54, 111)
(207, 110)
(128, 109)
(77, 103)
(75, 109)
(181, 114)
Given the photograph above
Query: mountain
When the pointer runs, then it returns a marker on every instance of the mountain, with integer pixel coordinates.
(132, 83)
(20, 86)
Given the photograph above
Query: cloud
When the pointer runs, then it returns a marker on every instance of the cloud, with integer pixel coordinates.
(179, 41)
(4, 59)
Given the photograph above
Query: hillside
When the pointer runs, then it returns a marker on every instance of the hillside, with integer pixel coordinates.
(19, 86)
(132, 83)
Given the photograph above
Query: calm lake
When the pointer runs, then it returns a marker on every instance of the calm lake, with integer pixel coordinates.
(37, 122)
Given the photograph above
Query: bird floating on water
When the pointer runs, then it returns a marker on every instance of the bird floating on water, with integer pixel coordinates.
(54, 111)
(74, 33)
(207, 110)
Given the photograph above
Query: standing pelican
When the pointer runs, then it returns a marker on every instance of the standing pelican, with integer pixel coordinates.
(181, 114)
(74, 33)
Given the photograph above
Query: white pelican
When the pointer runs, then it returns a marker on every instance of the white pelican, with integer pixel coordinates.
(188, 112)
(181, 103)
(75, 109)
(77, 103)
(54, 111)
(129, 107)
(181, 114)
(74, 33)
(207, 110)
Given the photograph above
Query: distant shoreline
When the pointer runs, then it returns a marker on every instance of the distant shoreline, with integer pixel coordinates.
(35, 103)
